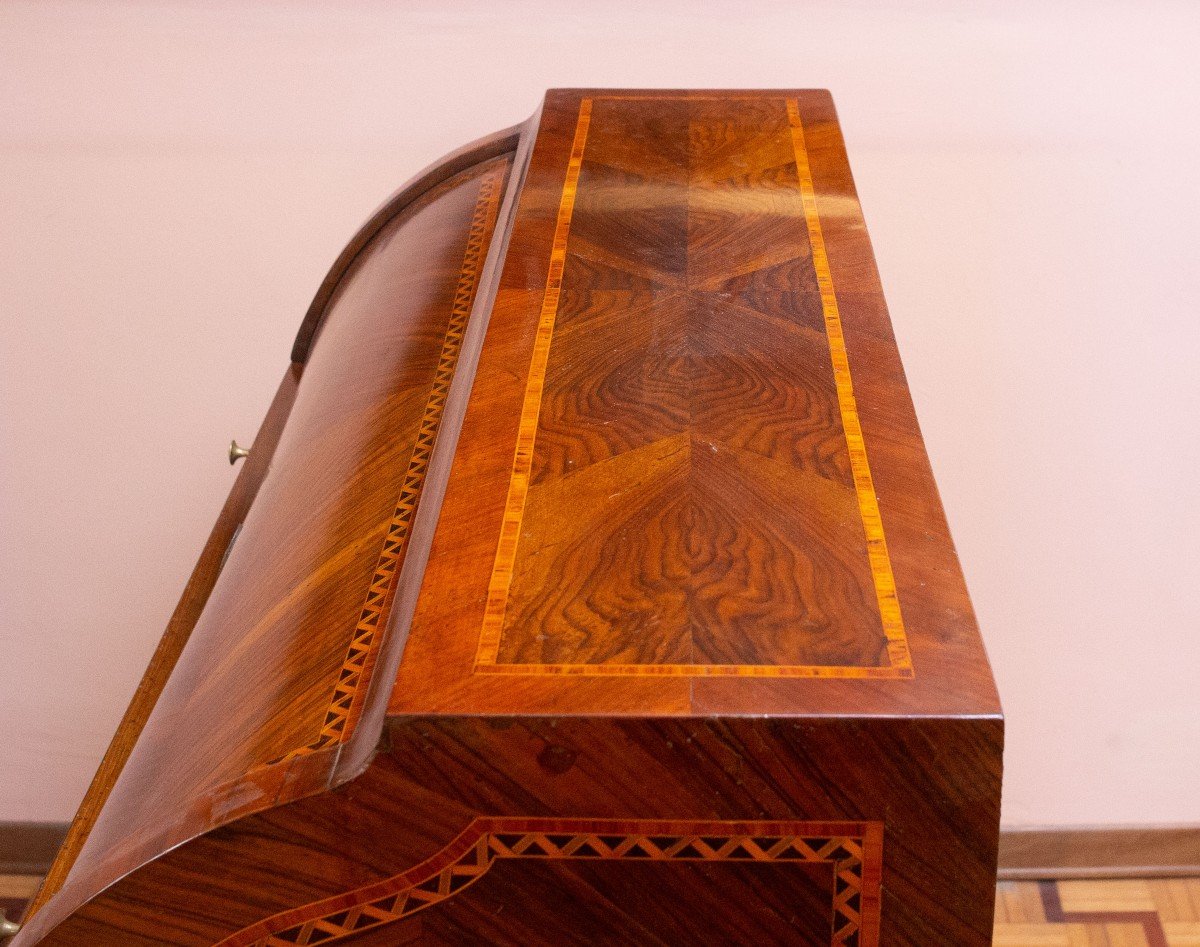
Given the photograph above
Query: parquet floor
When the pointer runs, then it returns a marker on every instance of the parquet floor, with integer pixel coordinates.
(1127, 913)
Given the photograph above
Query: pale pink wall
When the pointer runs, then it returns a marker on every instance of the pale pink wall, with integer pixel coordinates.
(175, 178)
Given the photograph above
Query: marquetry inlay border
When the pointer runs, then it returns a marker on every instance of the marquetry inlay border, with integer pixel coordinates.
(487, 653)
(345, 705)
(855, 849)
(864, 486)
(531, 406)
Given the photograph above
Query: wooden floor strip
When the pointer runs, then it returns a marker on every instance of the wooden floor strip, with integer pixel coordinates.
(1117, 913)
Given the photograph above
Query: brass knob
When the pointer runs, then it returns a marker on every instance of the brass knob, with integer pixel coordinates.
(237, 453)
(8, 928)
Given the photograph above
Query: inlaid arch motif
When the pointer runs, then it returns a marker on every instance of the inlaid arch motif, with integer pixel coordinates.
(854, 849)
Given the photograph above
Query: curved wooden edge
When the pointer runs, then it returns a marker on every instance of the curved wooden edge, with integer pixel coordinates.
(354, 758)
(854, 848)
(179, 629)
(483, 149)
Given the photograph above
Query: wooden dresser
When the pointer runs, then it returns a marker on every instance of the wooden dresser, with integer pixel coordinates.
(586, 583)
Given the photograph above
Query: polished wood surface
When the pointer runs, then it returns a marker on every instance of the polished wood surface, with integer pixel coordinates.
(672, 401)
(1167, 851)
(689, 454)
(597, 586)
(179, 629)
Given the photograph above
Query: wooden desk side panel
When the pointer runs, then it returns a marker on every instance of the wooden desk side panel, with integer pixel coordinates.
(471, 830)
(267, 693)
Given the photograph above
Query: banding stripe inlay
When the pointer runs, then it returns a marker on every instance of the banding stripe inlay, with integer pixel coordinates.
(345, 705)
(855, 850)
(864, 486)
(531, 406)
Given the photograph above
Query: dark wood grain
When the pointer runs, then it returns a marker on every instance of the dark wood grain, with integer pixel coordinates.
(598, 591)
(672, 475)
(1088, 852)
(1023, 911)
(683, 397)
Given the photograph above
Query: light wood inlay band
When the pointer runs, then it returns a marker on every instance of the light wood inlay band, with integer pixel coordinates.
(855, 850)
(518, 485)
(864, 486)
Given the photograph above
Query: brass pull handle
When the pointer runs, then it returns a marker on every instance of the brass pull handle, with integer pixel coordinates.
(8, 928)
(236, 453)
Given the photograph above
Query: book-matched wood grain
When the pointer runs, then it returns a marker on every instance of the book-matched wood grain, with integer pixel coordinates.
(656, 412)
(597, 587)
(689, 456)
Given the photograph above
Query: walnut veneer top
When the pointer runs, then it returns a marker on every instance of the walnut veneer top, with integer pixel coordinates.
(689, 478)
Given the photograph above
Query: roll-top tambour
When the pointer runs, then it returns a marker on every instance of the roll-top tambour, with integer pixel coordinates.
(266, 696)
(586, 582)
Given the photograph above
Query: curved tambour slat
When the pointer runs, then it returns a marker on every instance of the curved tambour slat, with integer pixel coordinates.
(260, 683)
(478, 151)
